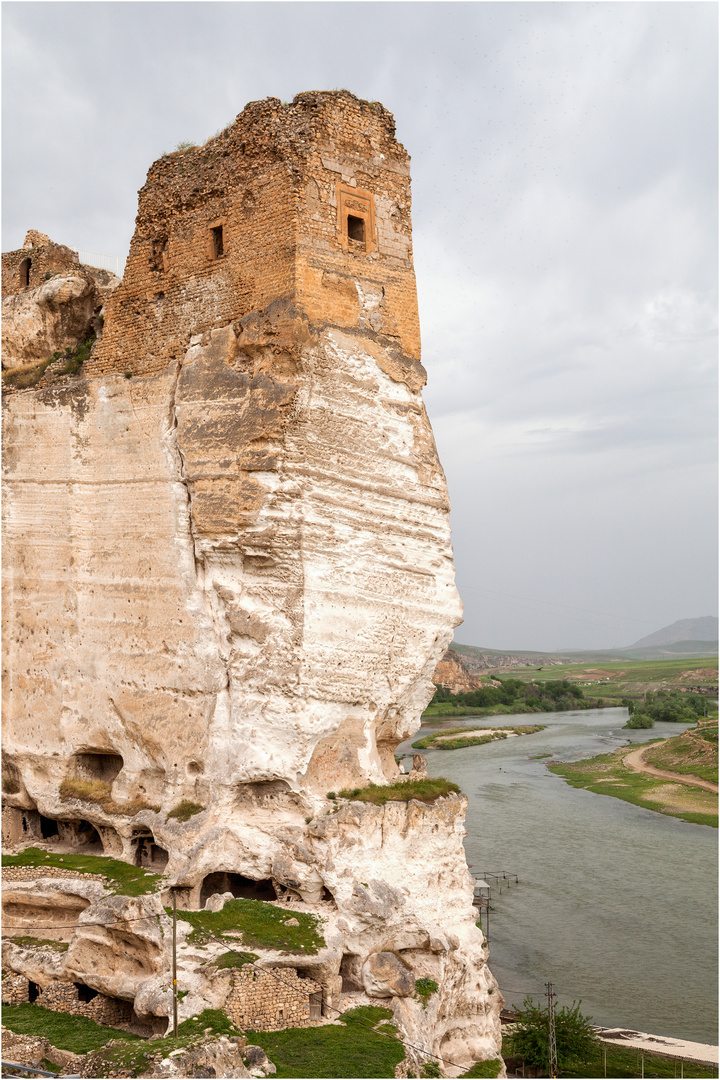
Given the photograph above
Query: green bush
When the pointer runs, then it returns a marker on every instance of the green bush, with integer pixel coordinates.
(426, 790)
(431, 1068)
(185, 810)
(485, 1070)
(424, 990)
(640, 720)
(667, 707)
(574, 1035)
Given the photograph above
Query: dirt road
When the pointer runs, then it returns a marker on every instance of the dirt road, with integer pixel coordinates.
(635, 761)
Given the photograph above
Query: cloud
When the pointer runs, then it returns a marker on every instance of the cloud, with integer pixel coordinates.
(564, 164)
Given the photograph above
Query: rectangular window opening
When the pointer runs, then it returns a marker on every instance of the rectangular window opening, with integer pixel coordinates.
(217, 239)
(356, 228)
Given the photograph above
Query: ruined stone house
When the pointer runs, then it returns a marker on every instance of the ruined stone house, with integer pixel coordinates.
(36, 261)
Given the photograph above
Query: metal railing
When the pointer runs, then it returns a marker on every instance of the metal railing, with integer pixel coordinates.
(105, 262)
(22, 1070)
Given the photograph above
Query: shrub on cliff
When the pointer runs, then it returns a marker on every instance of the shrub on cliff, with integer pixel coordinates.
(426, 790)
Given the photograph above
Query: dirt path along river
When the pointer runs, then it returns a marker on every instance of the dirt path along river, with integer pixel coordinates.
(636, 761)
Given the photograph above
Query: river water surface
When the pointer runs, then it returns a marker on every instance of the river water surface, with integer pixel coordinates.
(616, 905)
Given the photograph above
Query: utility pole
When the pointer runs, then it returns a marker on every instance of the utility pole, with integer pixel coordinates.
(552, 1046)
(174, 965)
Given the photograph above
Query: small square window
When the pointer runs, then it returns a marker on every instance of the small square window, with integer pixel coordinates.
(217, 241)
(356, 228)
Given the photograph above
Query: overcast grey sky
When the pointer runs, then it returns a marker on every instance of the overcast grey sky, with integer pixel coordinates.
(564, 163)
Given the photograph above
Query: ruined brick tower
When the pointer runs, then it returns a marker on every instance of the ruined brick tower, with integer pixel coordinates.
(307, 202)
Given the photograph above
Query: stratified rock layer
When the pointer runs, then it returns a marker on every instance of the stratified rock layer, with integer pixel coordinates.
(229, 575)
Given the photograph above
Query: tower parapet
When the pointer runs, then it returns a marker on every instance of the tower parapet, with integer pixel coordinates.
(307, 202)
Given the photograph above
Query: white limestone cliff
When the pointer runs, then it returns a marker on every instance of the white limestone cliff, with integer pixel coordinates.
(228, 581)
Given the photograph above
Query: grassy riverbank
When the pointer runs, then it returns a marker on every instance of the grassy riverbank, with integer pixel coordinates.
(456, 738)
(608, 774)
(694, 753)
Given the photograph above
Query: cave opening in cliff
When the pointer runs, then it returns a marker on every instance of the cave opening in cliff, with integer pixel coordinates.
(327, 895)
(350, 972)
(85, 993)
(81, 835)
(98, 765)
(241, 887)
(49, 828)
(146, 1024)
(33, 991)
(148, 853)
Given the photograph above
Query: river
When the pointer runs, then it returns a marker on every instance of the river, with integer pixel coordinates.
(616, 905)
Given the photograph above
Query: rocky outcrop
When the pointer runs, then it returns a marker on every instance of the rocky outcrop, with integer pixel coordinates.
(56, 315)
(386, 975)
(229, 581)
(215, 1057)
(453, 673)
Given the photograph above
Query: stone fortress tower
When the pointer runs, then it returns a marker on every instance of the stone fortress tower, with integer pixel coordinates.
(228, 567)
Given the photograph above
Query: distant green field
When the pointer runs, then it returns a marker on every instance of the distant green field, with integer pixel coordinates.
(629, 678)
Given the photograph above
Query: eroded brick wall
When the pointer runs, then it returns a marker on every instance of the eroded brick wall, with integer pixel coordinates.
(276, 188)
(44, 260)
(270, 999)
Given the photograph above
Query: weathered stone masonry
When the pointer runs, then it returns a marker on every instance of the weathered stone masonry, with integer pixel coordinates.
(260, 213)
(273, 998)
(38, 259)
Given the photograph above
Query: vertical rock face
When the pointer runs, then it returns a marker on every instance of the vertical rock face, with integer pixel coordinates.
(227, 550)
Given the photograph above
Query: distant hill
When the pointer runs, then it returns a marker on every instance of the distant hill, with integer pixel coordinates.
(703, 630)
(477, 659)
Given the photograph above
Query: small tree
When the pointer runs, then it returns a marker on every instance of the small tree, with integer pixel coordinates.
(574, 1035)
